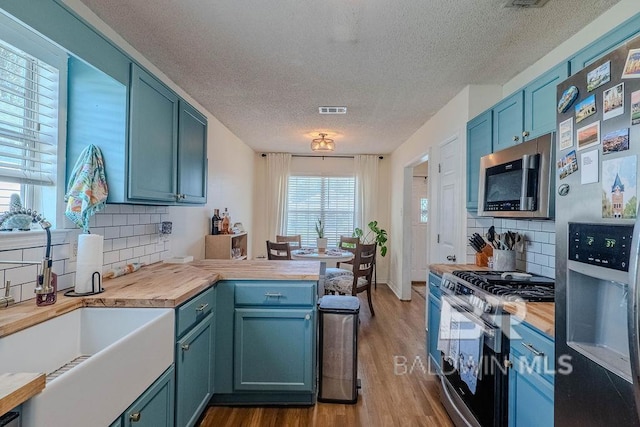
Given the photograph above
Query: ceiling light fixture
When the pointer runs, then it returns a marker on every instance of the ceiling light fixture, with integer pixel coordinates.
(322, 143)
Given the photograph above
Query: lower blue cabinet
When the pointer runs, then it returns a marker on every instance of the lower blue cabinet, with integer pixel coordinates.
(194, 372)
(154, 408)
(434, 305)
(274, 349)
(531, 379)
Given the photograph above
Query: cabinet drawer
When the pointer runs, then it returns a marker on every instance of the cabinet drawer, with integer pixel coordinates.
(276, 293)
(532, 351)
(434, 285)
(194, 310)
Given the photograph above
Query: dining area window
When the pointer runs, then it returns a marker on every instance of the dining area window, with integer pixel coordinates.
(331, 199)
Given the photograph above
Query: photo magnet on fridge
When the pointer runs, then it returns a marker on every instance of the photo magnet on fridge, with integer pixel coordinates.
(619, 197)
(565, 131)
(635, 107)
(568, 164)
(615, 141)
(632, 66)
(599, 76)
(585, 108)
(613, 102)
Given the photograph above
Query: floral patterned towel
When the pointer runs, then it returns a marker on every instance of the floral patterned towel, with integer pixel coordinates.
(87, 191)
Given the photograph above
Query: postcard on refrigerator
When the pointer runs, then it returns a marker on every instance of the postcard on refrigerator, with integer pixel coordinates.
(568, 164)
(635, 107)
(585, 108)
(619, 197)
(589, 135)
(615, 141)
(566, 133)
(599, 76)
(589, 167)
(632, 66)
(613, 102)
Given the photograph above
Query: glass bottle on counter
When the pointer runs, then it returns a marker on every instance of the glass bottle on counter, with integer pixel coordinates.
(226, 220)
(215, 222)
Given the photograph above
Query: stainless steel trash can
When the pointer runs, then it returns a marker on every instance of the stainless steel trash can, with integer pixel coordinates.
(338, 348)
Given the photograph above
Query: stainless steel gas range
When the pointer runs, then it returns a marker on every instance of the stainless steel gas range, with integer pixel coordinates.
(473, 346)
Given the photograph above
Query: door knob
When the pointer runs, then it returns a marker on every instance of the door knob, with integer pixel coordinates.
(451, 258)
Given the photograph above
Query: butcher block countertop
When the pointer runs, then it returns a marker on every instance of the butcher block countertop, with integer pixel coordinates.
(15, 389)
(156, 285)
(540, 315)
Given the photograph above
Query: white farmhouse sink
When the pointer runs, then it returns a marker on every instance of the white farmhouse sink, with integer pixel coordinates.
(127, 349)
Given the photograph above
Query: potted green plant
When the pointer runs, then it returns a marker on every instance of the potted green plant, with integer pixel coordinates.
(375, 234)
(321, 242)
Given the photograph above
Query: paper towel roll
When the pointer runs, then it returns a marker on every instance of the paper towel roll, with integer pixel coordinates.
(90, 255)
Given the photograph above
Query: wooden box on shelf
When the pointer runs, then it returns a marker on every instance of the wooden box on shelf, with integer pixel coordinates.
(225, 246)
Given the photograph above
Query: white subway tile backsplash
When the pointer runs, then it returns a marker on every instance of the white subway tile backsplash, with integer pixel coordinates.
(124, 243)
(540, 239)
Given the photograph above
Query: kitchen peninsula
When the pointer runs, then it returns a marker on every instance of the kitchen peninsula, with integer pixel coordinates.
(214, 300)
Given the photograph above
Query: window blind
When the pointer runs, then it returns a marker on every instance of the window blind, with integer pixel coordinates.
(312, 197)
(28, 118)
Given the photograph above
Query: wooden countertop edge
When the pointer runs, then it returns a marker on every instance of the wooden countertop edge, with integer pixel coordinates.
(16, 389)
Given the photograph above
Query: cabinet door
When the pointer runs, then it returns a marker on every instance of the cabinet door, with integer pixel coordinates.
(530, 396)
(153, 139)
(192, 155)
(117, 423)
(434, 326)
(479, 133)
(540, 102)
(508, 121)
(194, 378)
(605, 44)
(155, 407)
(274, 349)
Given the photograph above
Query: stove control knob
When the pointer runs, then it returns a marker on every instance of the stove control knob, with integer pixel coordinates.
(488, 308)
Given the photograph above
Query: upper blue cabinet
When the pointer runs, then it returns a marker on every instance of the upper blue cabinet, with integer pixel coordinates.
(153, 140)
(479, 132)
(507, 121)
(192, 155)
(539, 102)
(606, 43)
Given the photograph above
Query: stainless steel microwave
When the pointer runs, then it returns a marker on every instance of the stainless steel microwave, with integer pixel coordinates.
(518, 182)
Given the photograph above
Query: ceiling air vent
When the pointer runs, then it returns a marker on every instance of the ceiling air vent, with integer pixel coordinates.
(332, 110)
(521, 4)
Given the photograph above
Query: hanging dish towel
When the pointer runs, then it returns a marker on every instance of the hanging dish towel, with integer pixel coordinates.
(87, 192)
(470, 353)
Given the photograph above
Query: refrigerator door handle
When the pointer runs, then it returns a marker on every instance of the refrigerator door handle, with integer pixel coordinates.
(632, 313)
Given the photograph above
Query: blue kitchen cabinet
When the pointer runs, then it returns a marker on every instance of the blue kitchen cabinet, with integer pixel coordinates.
(153, 139)
(433, 315)
(192, 155)
(274, 349)
(508, 116)
(479, 143)
(194, 356)
(531, 357)
(266, 333)
(605, 44)
(154, 408)
(540, 102)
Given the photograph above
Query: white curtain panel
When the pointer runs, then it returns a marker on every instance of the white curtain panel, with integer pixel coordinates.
(278, 167)
(366, 172)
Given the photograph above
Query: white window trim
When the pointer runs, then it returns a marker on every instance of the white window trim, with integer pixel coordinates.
(10, 240)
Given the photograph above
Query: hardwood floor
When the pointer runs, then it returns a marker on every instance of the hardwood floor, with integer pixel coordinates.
(397, 387)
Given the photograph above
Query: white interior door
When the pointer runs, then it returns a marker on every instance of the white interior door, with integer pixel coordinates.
(449, 214)
(419, 263)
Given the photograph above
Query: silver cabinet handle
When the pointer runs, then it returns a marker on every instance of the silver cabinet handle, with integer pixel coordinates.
(307, 317)
(202, 307)
(516, 138)
(185, 347)
(135, 417)
(532, 349)
(272, 294)
(525, 133)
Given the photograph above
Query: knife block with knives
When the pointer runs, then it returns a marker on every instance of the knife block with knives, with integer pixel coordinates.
(483, 250)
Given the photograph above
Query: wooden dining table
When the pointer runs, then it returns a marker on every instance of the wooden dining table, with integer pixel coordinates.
(331, 254)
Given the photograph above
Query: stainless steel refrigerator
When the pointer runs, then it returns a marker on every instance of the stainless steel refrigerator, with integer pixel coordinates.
(597, 148)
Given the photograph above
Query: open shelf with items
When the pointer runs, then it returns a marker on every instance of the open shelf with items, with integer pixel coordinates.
(226, 246)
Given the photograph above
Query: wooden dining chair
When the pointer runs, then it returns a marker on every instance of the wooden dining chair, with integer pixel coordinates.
(278, 251)
(359, 280)
(295, 241)
(347, 244)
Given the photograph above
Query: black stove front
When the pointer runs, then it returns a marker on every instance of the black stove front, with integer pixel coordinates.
(511, 285)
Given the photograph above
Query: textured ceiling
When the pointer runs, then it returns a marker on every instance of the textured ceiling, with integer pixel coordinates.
(264, 67)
